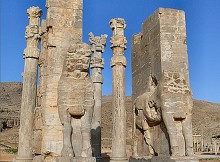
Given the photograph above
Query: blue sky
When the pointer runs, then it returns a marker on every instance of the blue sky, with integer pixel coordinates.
(203, 35)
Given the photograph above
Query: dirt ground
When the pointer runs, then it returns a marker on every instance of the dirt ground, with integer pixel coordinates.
(209, 160)
(6, 157)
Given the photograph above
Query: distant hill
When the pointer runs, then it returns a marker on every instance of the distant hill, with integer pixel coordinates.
(206, 115)
(10, 100)
(206, 119)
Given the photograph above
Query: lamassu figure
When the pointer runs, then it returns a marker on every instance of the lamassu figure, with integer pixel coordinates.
(75, 102)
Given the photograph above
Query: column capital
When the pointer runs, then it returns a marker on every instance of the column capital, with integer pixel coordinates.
(117, 23)
(33, 29)
(118, 40)
(34, 12)
(97, 63)
(98, 43)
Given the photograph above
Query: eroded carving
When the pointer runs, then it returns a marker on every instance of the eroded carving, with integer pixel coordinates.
(118, 64)
(164, 57)
(147, 114)
(98, 44)
(75, 102)
(176, 108)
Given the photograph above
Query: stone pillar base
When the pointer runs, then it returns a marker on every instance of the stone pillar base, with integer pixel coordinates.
(23, 159)
(185, 159)
(76, 159)
(166, 159)
(118, 159)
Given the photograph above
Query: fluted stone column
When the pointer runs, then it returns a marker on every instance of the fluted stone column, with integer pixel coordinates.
(118, 64)
(98, 44)
(31, 55)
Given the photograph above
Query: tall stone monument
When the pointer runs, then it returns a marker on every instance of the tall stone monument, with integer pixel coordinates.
(62, 28)
(97, 44)
(76, 104)
(29, 92)
(162, 96)
(118, 64)
(60, 138)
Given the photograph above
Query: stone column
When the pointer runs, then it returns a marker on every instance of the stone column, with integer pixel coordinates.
(31, 55)
(98, 45)
(118, 64)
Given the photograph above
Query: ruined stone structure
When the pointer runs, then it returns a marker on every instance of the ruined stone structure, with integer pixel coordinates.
(63, 27)
(29, 92)
(76, 103)
(63, 107)
(161, 87)
(118, 64)
(66, 108)
(97, 44)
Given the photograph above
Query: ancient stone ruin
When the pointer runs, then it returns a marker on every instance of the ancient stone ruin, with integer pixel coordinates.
(29, 92)
(161, 91)
(118, 64)
(66, 108)
(98, 44)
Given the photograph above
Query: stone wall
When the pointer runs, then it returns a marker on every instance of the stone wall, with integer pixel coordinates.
(160, 49)
(63, 27)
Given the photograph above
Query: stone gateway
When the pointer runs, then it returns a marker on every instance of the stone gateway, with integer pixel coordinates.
(61, 118)
(162, 96)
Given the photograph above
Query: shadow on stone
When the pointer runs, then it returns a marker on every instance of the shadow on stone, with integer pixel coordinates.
(96, 141)
(105, 157)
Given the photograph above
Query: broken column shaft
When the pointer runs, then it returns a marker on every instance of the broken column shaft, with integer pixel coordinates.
(31, 55)
(98, 45)
(118, 64)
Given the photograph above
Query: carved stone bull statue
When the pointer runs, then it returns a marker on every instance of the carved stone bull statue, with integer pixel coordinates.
(170, 97)
(76, 102)
(147, 114)
(176, 106)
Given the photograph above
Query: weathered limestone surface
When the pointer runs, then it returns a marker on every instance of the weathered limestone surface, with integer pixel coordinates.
(38, 112)
(29, 93)
(37, 136)
(161, 88)
(76, 159)
(118, 64)
(166, 159)
(76, 102)
(97, 44)
(62, 28)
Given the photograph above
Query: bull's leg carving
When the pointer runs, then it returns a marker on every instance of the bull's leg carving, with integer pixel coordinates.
(172, 131)
(176, 111)
(76, 141)
(76, 101)
(67, 149)
(86, 136)
(147, 114)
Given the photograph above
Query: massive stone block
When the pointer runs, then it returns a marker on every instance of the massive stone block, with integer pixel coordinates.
(76, 102)
(61, 29)
(161, 88)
